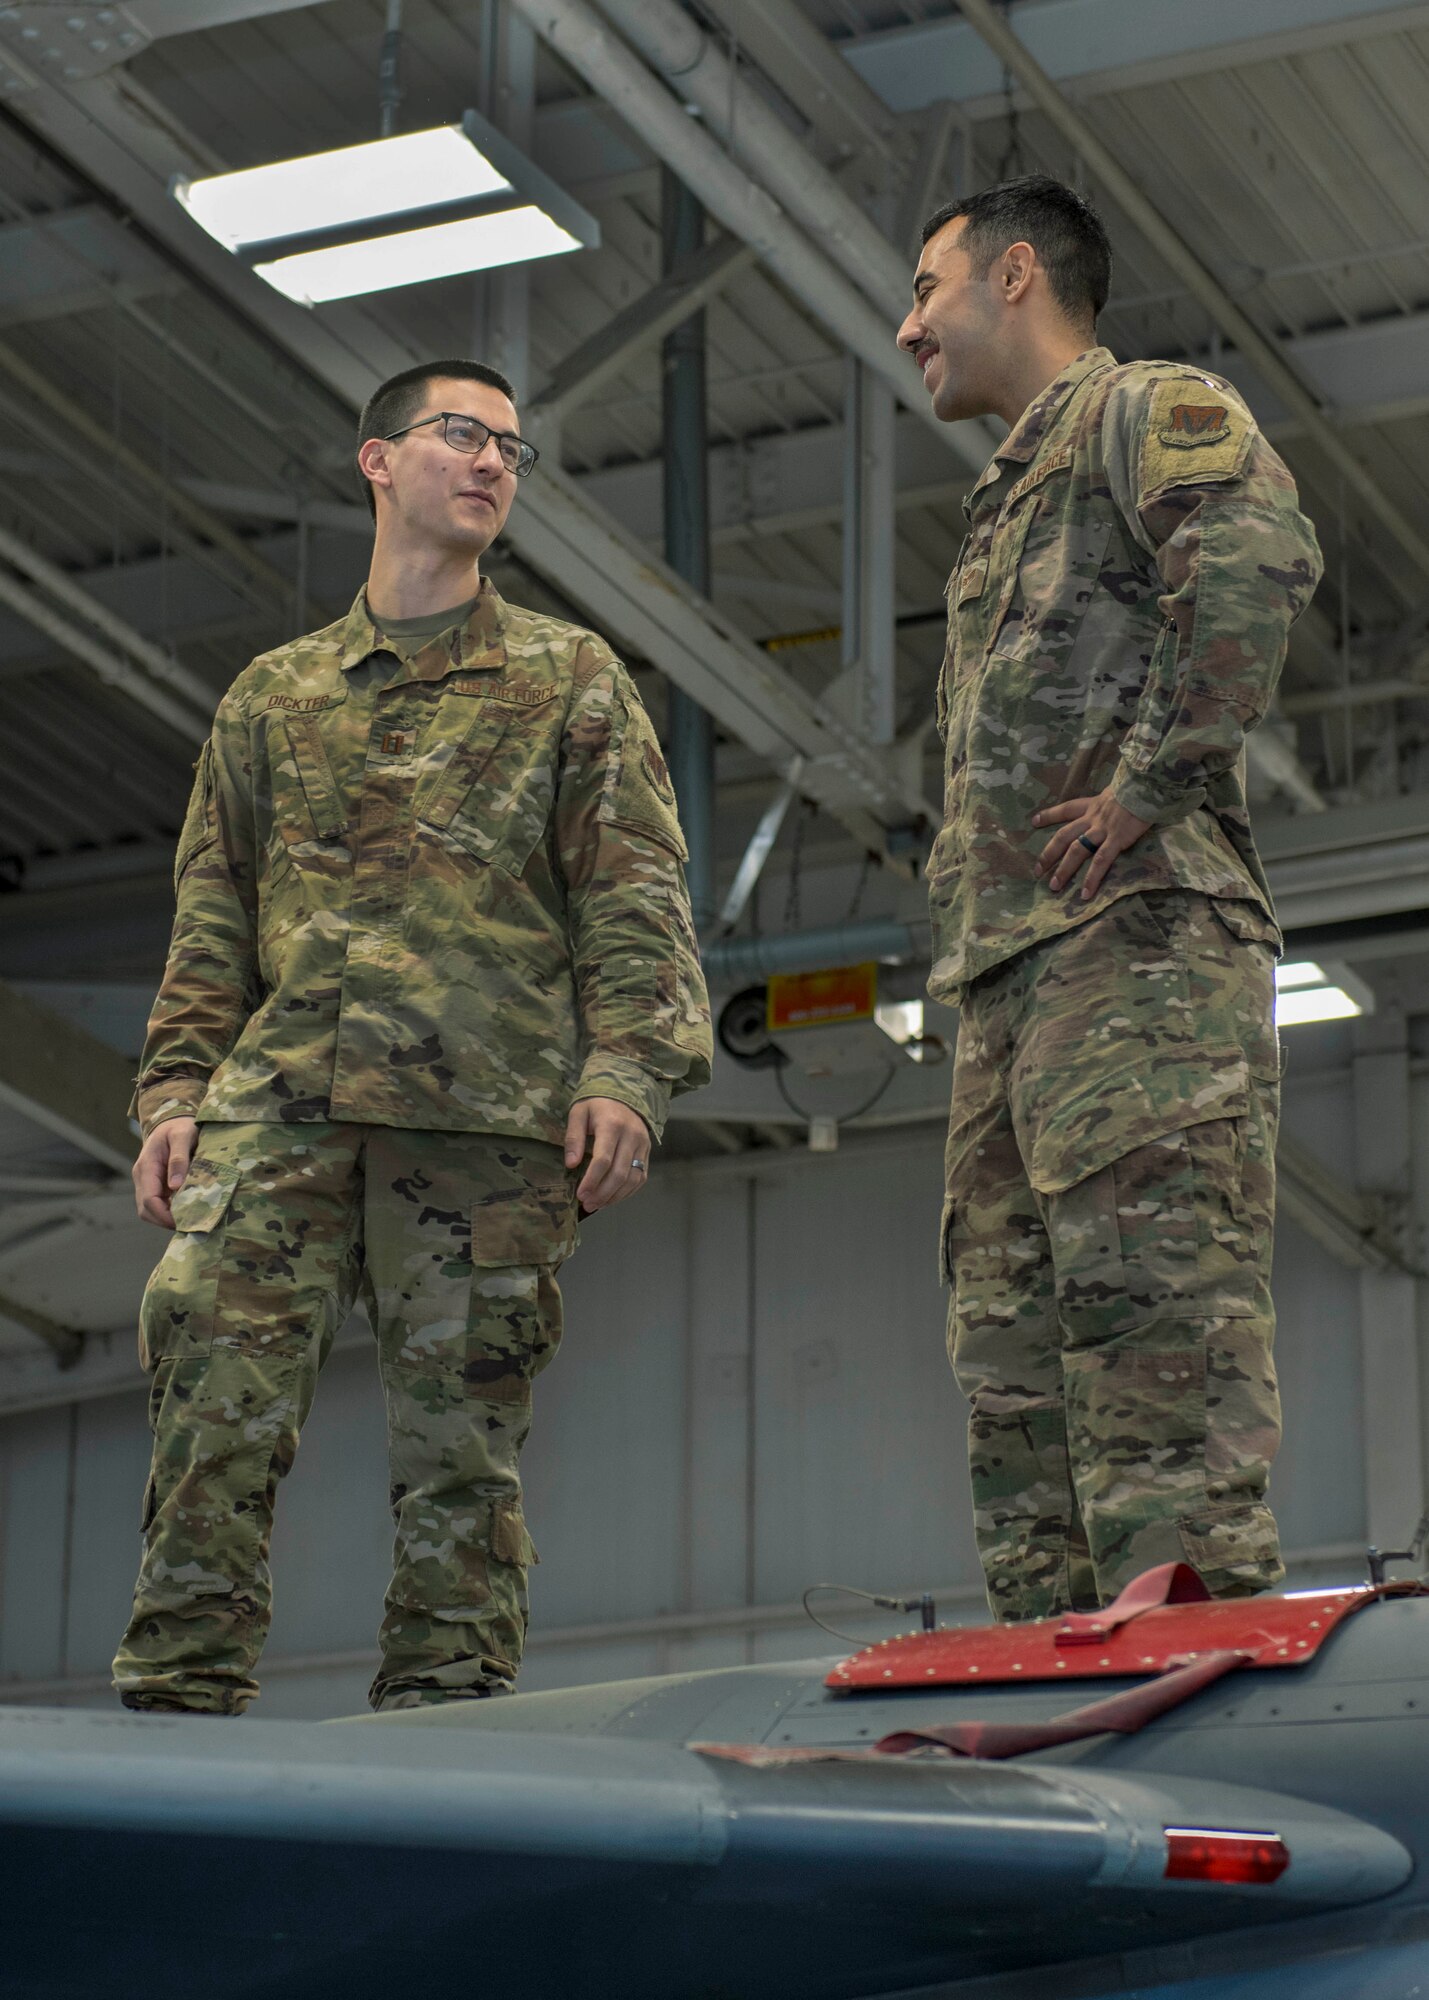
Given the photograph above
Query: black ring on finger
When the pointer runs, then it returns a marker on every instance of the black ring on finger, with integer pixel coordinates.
(1085, 840)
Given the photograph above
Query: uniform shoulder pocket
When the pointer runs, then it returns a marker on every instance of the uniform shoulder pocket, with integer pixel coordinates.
(200, 827)
(638, 793)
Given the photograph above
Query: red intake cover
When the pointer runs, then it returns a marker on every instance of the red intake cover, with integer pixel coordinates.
(1270, 1631)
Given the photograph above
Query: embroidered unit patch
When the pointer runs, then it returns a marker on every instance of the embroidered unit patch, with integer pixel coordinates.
(1192, 424)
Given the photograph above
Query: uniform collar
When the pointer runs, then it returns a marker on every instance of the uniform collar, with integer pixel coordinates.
(1025, 439)
(474, 647)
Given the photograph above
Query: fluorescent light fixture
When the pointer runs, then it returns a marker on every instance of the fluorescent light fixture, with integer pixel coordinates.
(1301, 972)
(1314, 1003)
(479, 244)
(1307, 991)
(330, 190)
(390, 212)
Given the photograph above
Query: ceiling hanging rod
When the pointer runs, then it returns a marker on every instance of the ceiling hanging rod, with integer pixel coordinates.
(389, 71)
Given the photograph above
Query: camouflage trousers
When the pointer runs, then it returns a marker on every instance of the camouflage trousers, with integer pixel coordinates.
(1107, 1231)
(453, 1241)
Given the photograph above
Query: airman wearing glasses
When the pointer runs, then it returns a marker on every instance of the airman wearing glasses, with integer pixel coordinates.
(432, 984)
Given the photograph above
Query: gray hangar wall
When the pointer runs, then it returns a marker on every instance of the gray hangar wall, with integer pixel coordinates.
(753, 1397)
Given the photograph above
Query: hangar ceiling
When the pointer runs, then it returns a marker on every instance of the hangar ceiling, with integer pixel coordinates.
(176, 439)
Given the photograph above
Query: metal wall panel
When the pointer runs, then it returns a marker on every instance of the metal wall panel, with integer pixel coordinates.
(34, 1479)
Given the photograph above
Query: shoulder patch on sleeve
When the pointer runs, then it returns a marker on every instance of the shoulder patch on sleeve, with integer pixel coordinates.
(639, 795)
(1195, 431)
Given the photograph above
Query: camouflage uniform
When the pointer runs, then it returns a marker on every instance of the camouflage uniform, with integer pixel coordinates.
(1117, 618)
(425, 902)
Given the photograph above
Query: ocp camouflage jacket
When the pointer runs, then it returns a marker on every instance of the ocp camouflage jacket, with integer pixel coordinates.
(442, 891)
(1117, 617)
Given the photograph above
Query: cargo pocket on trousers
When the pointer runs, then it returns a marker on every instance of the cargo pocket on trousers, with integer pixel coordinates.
(177, 1313)
(530, 1221)
(945, 1242)
(1140, 1180)
(510, 1542)
(520, 1236)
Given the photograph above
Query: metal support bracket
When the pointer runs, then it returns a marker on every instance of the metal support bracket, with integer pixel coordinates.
(761, 845)
(73, 42)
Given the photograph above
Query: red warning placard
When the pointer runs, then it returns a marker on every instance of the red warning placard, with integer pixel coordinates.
(813, 999)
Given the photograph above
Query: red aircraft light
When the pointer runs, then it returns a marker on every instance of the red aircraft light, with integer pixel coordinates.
(1203, 1854)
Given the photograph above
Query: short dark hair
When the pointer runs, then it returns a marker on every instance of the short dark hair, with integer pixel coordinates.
(1065, 231)
(394, 405)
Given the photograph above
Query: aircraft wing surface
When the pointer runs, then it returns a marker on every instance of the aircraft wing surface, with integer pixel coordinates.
(146, 1854)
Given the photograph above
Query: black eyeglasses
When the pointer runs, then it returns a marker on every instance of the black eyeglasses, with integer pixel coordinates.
(466, 434)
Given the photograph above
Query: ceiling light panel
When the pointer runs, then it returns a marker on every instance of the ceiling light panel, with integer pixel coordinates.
(312, 277)
(353, 185)
(1298, 972)
(1314, 1003)
(391, 212)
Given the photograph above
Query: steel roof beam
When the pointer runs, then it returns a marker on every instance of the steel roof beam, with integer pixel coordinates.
(85, 40)
(63, 1078)
(638, 327)
(63, 1341)
(747, 209)
(699, 71)
(128, 142)
(89, 650)
(114, 454)
(184, 17)
(811, 72)
(1101, 46)
(1258, 350)
(72, 261)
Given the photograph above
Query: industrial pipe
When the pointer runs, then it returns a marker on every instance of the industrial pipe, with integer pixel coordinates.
(578, 35)
(732, 961)
(696, 67)
(685, 463)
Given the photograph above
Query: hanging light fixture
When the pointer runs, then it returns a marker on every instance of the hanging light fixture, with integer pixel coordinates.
(393, 211)
(1305, 991)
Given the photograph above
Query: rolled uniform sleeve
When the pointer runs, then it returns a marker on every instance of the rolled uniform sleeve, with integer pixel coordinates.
(1215, 507)
(208, 986)
(640, 991)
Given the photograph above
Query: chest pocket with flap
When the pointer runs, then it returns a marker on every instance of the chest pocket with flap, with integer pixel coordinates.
(493, 800)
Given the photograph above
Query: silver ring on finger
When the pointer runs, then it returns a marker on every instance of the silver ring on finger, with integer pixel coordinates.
(638, 1167)
(1085, 840)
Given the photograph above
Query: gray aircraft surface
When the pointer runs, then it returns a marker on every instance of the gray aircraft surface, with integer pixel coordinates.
(1235, 1808)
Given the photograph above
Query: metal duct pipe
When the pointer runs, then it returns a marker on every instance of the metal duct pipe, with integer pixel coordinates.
(697, 68)
(735, 960)
(581, 38)
(687, 535)
(1262, 353)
